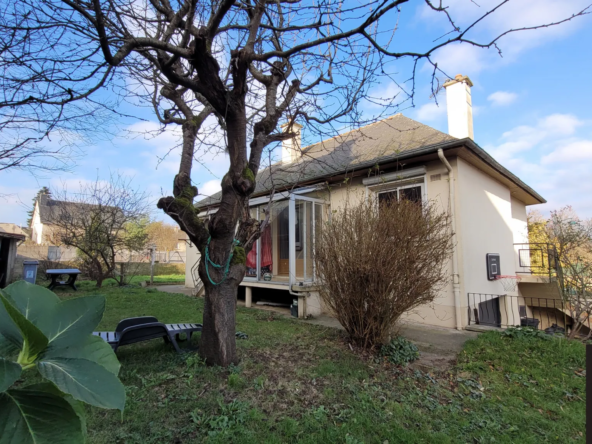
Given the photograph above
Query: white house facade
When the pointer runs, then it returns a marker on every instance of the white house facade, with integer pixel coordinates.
(402, 157)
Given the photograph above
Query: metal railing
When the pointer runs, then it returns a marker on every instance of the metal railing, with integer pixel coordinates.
(537, 259)
(502, 311)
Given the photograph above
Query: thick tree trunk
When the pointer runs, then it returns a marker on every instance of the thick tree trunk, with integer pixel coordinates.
(218, 343)
(218, 340)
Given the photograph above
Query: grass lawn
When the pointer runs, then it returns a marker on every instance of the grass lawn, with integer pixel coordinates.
(158, 280)
(301, 383)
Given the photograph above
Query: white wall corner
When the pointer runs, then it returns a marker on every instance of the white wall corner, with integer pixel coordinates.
(291, 147)
(459, 107)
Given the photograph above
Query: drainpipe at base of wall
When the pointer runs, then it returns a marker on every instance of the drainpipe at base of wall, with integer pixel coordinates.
(455, 275)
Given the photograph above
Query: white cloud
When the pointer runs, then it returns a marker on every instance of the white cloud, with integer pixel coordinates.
(517, 14)
(502, 98)
(552, 158)
(430, 112)
(524, 138)
(164, 148)
(575, 152)
(385, 94)
(209, 188)
(561, 124)
(460, 59)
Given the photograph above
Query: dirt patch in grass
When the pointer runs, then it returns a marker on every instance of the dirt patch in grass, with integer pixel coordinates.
(287, 383)
(434, 362)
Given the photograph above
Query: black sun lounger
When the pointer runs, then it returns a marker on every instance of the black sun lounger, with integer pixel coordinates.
(132, 330)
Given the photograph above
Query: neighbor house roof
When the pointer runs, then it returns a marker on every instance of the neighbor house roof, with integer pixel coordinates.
(395, 138)
(49, 206)
(12, 230)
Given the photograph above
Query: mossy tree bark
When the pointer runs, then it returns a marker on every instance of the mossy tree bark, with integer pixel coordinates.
(218, 344)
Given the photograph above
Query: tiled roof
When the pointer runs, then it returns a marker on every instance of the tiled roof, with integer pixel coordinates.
(373, 143)
(49, 208)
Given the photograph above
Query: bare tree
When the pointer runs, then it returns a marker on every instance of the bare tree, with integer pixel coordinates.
(104, 221)
(49, 104)
(379, 262)
(240, 67)
(572, 238)
(164, 236)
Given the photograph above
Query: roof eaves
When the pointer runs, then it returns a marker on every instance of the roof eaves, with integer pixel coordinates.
(13, 235)
(488, 159)
(416, 152)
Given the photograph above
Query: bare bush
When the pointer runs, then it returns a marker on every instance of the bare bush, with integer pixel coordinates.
(378, 262)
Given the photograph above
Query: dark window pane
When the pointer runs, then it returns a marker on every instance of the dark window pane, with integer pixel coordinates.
(413, 194)
(386, 198)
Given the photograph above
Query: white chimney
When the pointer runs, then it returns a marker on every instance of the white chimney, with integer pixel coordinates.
(291, 147)
(459, 107)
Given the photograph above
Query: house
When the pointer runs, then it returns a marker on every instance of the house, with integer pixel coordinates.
(48, 211)
(10, 236)
(41, 226)
(407, 159)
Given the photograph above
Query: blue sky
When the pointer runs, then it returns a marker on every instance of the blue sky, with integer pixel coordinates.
(531, 112)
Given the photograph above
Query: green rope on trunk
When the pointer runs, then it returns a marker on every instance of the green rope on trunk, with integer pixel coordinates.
(209, 261)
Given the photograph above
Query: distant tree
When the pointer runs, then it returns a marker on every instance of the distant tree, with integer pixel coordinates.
(164, 236)
(572, 237)
(41, 192)
(537, 227)
(104, 221)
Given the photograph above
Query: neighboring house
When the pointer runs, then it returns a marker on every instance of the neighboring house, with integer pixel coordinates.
(47, 210)
(41, 226)
(10, 236)
(396, 157)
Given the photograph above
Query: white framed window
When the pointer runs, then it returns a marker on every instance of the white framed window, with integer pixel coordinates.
(413, 190)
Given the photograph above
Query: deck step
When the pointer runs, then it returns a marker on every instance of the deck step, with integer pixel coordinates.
(482, 328)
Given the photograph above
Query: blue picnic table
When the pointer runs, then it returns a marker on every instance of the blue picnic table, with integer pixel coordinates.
(55, 273)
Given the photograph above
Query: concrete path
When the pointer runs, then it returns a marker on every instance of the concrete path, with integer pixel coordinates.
(427, 338)
(175, 289)
(439, 346)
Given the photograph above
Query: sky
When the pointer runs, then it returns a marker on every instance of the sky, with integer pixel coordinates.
(531, 112)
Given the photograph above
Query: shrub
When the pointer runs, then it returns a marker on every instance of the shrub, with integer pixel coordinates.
(43, 336)
(377, 262)
(399, 351)
(525, 333)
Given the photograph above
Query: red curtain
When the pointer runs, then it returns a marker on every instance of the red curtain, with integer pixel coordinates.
(266, 252)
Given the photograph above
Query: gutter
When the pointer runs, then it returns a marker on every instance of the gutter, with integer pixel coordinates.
(455, 275)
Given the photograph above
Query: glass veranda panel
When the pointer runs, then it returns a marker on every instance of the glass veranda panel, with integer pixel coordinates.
(269, 259)
(270, 255)
(252, 255)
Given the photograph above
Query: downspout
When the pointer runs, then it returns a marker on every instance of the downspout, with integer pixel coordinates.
(455, 275)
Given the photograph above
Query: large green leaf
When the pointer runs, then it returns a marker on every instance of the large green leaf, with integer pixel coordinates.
(38, 417)
(7, 348)
(93, 349)
(72, 320)
(77, 406)
(9, 372)
(9, 330)
(85, 380)
(34, 340)
(33, 301)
